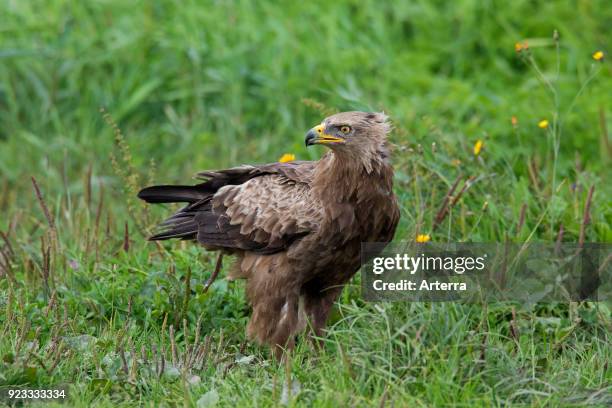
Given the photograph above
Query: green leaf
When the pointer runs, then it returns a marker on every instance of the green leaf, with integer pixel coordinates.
(210, 399)
(100, 385)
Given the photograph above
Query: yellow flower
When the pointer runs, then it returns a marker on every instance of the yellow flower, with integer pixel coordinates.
(287, 157)
(422, 238)
(514, 121)
(518, 47)
(478, 147)
(543, 124)
(598, 56)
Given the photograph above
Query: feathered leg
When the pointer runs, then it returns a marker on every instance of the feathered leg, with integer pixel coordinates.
(317, 305)
(275, 300)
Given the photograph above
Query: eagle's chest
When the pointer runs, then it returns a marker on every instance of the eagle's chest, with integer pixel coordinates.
(360, 221)
(336, 247)
(357, 209)
(373, 214)
(338, 254)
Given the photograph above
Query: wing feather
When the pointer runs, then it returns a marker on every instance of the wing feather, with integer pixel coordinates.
(256, 208)
(267, 210)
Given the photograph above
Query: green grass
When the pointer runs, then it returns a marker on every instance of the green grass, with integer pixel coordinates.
(194, 86)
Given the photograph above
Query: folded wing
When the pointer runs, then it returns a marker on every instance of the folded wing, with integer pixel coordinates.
(261, 209)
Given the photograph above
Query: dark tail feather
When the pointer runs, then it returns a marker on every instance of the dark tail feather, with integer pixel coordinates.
(187, 235)
(185, 229)
(171, 194)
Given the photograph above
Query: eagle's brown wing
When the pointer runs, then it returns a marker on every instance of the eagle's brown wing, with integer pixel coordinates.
(255, 208)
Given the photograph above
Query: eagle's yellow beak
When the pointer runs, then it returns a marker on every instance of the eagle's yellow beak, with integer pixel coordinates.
(317, 135)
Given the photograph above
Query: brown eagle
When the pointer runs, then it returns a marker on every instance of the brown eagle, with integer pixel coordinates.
(297, 227)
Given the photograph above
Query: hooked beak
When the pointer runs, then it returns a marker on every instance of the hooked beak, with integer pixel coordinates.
(317, 135)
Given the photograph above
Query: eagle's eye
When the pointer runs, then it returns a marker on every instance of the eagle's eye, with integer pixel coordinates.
(345, 129)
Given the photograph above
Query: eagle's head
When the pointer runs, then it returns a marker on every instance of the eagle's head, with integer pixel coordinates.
(356, 134)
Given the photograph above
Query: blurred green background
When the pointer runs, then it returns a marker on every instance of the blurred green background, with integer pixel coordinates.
(207, 84)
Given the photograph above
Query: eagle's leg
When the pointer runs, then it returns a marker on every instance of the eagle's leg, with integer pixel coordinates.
(276, 310)
(317, 304)
(275, 322)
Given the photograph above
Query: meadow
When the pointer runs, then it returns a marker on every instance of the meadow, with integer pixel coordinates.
(501, 114)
